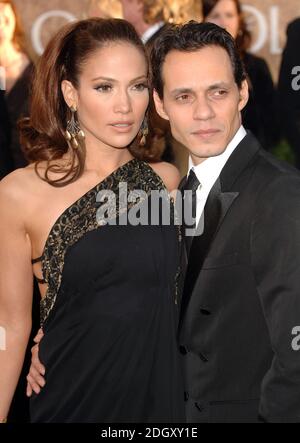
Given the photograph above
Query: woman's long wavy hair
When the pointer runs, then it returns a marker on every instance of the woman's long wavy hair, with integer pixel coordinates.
(43, 133)
(243, 39)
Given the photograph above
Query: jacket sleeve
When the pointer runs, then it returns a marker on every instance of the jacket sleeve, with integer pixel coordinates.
(275, 255)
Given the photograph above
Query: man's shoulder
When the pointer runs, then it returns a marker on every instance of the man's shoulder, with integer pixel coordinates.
(275, 165)
(276, 179)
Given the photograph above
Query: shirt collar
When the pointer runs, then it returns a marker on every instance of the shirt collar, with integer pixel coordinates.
(209, 170)
(151, 31)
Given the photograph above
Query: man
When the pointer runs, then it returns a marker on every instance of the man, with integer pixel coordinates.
(289, 89)
(240, 311)
(146, 16)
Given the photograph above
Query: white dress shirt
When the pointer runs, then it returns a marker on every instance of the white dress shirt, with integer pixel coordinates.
(209, 170)
(151, 31)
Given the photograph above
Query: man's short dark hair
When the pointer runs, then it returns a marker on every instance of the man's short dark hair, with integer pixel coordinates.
(191, 37)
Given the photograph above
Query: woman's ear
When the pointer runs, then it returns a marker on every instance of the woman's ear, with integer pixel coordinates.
(244, 95)
(159, 106)
(69, 93)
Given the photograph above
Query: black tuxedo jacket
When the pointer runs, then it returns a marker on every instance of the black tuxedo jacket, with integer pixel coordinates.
(240, 305)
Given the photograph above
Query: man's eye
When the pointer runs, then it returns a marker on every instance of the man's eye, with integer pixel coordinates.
(183, 98)
(104, 88)
(220, 93)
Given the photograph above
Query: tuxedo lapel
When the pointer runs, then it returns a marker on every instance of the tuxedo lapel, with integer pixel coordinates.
(215, 210)
(179, 199)
(223, 194)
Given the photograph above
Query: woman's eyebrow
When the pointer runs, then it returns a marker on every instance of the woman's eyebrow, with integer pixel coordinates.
(108, 79)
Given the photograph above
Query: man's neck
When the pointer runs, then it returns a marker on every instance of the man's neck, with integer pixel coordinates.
(197, 161)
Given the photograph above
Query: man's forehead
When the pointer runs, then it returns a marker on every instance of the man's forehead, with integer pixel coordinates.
(209, 54)
(189, 69)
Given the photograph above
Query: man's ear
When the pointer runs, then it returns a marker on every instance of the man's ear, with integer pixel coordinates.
(159, 106)
(244, 95)
(69, 93)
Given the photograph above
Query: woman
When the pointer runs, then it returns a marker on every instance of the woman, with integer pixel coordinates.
(108, 308)
(260, 114)
(15, 58)
(6, 163)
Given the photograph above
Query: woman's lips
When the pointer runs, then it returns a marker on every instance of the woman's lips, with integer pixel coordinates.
(122, 127)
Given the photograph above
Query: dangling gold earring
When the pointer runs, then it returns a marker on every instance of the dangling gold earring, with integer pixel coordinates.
(144, 132)
(73, 129)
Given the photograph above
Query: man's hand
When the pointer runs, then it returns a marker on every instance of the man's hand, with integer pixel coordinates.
(35, 381)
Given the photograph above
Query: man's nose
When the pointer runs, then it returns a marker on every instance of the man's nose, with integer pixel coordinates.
(203, 109)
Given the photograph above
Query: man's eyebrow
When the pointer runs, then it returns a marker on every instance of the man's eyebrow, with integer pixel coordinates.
(218, 86)
(113, 80)
(182, 91)
(210, 88)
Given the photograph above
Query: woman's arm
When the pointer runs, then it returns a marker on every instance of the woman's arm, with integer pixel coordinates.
(16, 288)
(168, 173)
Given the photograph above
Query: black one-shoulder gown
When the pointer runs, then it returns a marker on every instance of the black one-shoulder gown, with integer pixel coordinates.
(110, 313)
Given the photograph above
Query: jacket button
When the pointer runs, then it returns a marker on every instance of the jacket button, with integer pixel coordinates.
(205, 312)
(200, 407)
(183, 350)
(203, 357)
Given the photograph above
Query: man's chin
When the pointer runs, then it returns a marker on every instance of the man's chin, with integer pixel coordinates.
(205, 152)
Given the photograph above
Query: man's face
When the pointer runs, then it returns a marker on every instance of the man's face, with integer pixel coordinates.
(201, 100)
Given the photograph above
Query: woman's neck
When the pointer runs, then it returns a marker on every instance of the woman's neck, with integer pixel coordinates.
(105, 160)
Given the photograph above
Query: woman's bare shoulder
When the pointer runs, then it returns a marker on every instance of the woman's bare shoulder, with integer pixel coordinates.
(17, 186)
(168, 173)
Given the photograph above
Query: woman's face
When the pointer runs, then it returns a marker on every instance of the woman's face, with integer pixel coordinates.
(225, 14)
(7, 23)
(112, 96)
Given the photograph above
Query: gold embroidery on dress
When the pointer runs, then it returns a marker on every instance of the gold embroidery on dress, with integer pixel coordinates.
(80, 218)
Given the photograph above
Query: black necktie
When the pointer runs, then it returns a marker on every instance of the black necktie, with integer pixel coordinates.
(189, 206)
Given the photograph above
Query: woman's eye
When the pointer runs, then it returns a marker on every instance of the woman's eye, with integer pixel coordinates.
(141, 87)
(104, 88)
